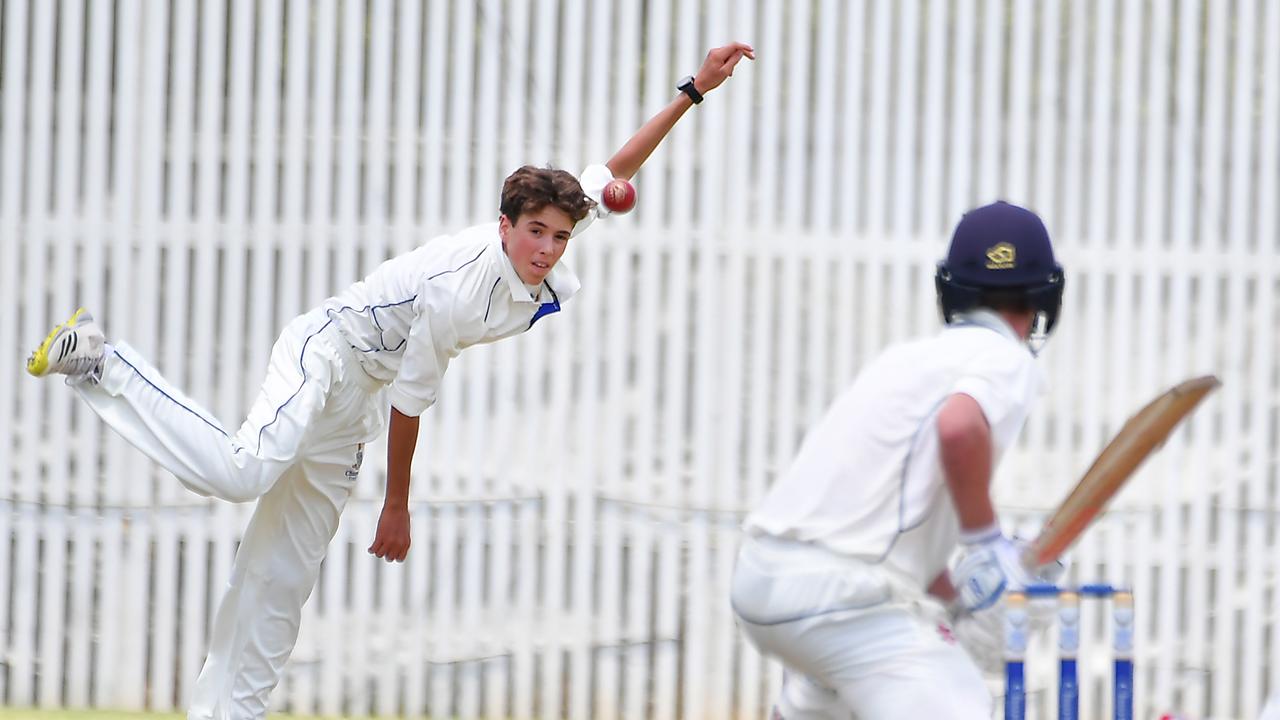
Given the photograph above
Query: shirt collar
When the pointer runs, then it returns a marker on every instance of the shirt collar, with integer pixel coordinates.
(561, 279)
(990, 319)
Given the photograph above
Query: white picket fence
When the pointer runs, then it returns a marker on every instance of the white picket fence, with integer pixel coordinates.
(199, 171)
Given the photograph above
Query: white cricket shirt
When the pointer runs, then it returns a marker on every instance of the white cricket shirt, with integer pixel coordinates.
(417, 311)
(868, 479)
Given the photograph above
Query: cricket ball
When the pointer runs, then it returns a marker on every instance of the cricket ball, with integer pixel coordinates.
(619, 196)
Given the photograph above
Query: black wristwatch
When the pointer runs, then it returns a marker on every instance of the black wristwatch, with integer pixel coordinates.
(686, 87)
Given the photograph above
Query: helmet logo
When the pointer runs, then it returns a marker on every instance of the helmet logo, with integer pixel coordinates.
(1001, 256)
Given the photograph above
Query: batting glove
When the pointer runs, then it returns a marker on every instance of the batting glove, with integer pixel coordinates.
(990, 565)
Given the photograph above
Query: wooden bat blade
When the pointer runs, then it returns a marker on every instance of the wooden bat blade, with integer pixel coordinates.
(1139, 437)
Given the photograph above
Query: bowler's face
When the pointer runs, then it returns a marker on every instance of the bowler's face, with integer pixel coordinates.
(535, 242)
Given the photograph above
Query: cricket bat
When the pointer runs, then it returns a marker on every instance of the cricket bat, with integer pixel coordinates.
(1140, 436)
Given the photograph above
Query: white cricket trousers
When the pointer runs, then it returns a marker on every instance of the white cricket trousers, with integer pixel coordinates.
(854, 641)
(298, 454)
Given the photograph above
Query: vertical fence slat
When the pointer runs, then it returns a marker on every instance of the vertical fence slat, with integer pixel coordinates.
(1017, 182)
(553, 404)
(375, 214)
(542, 83)
(1126, 365)
(386, 602)
(434, 106)
(1096, 231)
(1269, 293)
(931, 211)
(1215, 581)
(264, 238)
(95, 172)
(297, 112)
(711, 134)
(45, 649)
(373, 644)
(497, 697)
(320, 207)
(990, 136)
(824, 193)
(176, 192)
(69, 148)
(1045, 140)
(15, 104)
(690, 327)
(157, 547)
(1182, 206)
(123, 679)
(1155, 228)
(418, 569)
(964, 108)
(486, 180)
(514, 567)
(1244, 686)
(847, 221)
(235, 149)
(586, 474)
(407, 155)
(79, 161)
(634, 543)
(333, 591)
(614, 451)
(907, 179)
(1074, 67)
(200, 590)
(12, 132)
(880, 95)
(903, 101)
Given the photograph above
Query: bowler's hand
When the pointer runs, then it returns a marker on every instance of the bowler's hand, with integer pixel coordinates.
(718, 65)
(391, 542)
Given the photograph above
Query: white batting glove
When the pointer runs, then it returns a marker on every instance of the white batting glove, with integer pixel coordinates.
(990, 565)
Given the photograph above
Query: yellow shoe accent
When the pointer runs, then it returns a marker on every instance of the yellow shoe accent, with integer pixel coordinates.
(38, 363)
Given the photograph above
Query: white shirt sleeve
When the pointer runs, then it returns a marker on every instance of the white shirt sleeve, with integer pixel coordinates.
(425, 359)
(1003, 385)
(593, 180)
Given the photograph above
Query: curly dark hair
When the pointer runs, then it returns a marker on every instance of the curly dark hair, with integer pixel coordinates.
(530, 189)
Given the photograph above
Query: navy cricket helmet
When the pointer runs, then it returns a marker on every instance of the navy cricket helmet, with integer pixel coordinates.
(1001, 251)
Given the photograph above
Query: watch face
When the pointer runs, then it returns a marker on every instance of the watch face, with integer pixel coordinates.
(686, 86)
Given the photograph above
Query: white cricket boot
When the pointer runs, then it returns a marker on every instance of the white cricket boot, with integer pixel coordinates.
(75, 349)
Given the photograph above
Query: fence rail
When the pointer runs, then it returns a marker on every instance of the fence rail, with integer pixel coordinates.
(199, 171)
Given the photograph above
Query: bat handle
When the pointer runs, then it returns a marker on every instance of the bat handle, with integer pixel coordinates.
(1030, 557)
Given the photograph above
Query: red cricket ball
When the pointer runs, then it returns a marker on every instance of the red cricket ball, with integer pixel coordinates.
(619, 196)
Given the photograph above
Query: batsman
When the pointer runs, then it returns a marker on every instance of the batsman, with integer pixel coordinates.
(845, 567)
(369, 359)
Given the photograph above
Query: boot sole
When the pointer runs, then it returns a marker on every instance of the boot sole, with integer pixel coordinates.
(38, 363)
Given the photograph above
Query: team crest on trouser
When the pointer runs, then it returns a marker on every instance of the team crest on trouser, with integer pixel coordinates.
(354, 471)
